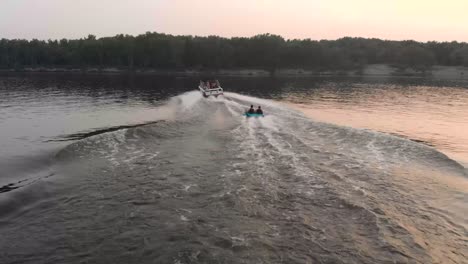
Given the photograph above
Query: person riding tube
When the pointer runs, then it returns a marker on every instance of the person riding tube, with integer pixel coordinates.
(259, 110)
(251, 110)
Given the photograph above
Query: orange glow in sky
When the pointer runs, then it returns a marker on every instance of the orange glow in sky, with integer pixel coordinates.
(331, 19)
(388, 19)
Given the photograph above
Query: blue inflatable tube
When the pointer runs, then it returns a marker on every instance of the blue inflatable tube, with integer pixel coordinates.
(253, 115)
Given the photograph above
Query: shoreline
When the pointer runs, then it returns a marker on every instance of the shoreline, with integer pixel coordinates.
(373, 70)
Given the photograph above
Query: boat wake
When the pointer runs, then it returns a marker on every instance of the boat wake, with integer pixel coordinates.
(205, 184)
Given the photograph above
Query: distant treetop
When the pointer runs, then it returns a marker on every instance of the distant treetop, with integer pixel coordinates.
(266, 51)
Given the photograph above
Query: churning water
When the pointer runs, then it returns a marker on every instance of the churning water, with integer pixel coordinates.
(184, 179)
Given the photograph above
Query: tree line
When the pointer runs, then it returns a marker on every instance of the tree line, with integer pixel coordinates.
(266, 51)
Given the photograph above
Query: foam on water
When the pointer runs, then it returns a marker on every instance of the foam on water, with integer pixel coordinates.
(207, 184)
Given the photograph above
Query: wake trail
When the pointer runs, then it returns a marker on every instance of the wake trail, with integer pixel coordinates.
(281, 188)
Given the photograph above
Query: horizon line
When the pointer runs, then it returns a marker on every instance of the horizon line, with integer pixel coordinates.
(231, 37)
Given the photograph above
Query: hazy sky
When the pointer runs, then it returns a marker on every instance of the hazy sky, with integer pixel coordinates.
(316, 19)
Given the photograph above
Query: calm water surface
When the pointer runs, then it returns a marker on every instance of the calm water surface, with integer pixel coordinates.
(143, 169)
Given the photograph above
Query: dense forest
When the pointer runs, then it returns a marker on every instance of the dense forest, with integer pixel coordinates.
(269, 52)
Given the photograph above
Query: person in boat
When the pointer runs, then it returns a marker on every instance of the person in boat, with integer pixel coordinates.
(259, 110)
(251, 110)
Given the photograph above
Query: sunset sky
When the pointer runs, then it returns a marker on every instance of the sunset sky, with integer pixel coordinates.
(421, 20)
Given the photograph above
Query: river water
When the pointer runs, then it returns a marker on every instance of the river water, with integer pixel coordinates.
(143, 169)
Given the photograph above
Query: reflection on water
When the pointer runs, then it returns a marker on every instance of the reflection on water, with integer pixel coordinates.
(436, 116)
(138, 175)
(37, 108)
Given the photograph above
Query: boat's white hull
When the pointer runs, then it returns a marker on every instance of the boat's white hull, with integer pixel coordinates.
(211, 92)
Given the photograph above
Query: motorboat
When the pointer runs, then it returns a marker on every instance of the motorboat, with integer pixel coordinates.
(210, 88)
